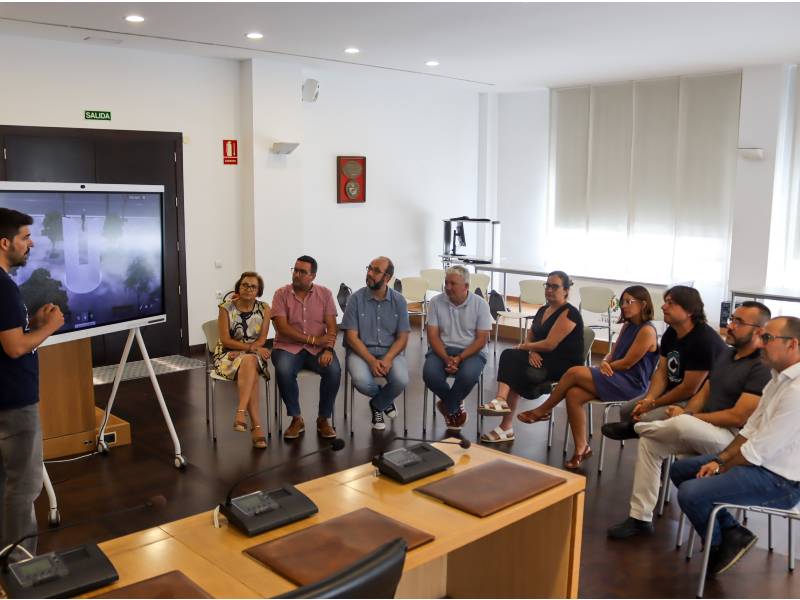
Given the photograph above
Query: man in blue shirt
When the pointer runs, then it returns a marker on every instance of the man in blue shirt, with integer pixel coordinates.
(459, 324)
(376, 327)
(20, 431)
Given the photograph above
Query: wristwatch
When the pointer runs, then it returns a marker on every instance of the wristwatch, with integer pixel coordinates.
(718, 460)
(327, 349)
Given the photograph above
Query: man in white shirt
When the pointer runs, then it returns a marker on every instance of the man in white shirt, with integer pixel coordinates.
(760, 466)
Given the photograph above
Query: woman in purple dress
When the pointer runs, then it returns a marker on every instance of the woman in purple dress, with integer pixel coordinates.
(623, 374)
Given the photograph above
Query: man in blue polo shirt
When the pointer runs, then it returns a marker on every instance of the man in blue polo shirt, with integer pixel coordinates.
(20, 432)
(459, 324)
(376, 327)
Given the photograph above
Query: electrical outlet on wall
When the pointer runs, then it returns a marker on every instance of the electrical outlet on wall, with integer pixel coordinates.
(219, 294)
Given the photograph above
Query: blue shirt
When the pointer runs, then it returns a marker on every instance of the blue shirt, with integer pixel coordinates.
(459, 323)
(19, 377)
(377, 321)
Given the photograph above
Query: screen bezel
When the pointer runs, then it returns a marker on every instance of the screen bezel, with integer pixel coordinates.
(117, 188)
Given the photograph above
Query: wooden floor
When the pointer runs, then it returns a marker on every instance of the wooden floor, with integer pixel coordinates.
(128, 476)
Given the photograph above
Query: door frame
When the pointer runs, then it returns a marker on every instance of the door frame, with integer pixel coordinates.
(122, 135)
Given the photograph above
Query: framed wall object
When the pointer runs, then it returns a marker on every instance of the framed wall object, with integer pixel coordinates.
(351, 179)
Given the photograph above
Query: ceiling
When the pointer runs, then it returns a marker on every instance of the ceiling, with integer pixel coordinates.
(509, 46)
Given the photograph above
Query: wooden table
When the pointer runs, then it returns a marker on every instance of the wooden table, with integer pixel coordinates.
(531, 549)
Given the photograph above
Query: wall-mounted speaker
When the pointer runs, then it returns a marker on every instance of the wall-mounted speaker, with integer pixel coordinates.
(310, 90)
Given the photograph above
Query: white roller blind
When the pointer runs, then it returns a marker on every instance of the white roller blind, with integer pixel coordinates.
(610, 157)
(656, 161)
(570, 112)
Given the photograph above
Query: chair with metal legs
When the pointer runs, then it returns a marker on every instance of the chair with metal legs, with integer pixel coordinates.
(351, 387)
(479, 385)
(790, 515)
(211, 333)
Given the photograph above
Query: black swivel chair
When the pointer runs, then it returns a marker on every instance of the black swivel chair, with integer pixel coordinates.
(374, 576)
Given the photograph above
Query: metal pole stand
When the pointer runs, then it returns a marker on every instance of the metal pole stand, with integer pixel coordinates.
(102, 446)
(53, 515)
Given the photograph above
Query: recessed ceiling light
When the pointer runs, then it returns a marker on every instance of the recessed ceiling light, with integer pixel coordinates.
(254, 35)
(352, 50)
(432, 63)
(134, 19)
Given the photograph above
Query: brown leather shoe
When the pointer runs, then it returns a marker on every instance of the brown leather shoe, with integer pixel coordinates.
(296, 427)
(324, 428)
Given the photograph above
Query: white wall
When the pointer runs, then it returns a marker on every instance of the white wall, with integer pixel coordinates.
(420, 140)
(420, 137)
(522, 174)
(50, 84)
(761, 119)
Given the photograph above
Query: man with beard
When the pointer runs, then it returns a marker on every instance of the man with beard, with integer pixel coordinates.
(710, 420)
(305, 321)
(376, 333)
(20, 431)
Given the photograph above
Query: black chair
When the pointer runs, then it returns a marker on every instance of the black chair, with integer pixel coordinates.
(374, 576)
(398, 286)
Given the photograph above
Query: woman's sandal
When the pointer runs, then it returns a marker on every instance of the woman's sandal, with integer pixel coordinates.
(494, 408)
(240, 425)
(498, 435)
(259, 442)
(527, 416)
(577, 459)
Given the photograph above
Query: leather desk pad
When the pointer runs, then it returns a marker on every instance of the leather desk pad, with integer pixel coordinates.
(314, 553)
(490, 487)
(169, 585)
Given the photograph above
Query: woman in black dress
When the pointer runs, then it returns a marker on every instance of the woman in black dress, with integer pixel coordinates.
(553, 344)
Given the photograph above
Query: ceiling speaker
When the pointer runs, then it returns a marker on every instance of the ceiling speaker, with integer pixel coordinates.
(310, 90)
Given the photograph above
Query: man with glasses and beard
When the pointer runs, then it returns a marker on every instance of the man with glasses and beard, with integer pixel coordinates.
(759, 467)
(710, 420)
(305, 321)
(20, 430)
(376, 330)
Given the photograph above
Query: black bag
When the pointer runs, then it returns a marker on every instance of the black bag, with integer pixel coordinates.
(343, 296)
(496, 304)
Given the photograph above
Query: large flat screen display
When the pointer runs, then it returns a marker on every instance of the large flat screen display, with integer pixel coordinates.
(98, 254)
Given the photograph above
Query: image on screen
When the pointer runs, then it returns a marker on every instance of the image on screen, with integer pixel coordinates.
(97, 255)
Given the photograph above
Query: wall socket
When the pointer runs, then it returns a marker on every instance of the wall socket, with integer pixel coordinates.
(219, 294)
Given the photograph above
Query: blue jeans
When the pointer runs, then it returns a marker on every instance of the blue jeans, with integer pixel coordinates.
(747, 485)
(435, 377)
(381, 396)
(288, 365)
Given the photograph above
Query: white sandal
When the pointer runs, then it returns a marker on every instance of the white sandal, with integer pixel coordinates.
(494, 408)
(503, 435)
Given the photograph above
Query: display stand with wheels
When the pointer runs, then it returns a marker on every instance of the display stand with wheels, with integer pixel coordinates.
(102, 446)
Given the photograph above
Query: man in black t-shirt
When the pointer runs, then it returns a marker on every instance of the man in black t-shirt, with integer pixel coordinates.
(709, 422)
(20, 432)
(688, 349)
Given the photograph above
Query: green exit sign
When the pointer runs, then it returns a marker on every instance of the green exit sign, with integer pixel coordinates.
(97, 115)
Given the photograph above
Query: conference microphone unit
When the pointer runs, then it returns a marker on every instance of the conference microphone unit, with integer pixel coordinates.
(265, 510)
(414, 462)
(63, 573)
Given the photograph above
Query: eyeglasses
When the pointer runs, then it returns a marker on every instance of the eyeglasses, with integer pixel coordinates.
(248, 286)
(551, 286)
(768, 337)
(629, 301)
(376, 270)
(299, 271)
(739, 322)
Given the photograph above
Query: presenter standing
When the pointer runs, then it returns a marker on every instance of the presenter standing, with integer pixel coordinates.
(20, 431)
